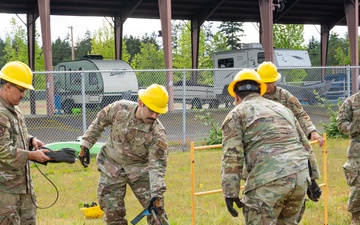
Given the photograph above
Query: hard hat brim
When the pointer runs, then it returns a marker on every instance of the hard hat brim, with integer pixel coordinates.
(13, 81)
(263, 87)
(278, 76)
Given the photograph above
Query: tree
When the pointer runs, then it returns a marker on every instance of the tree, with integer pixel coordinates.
(182, 56)
(289, 36)
(133, 45)
(212, 43)
(2, 53)
(102, 43)
(176, 28)
(61, 50)
(16, 47)
(336, 42)
(216, 44)
(83, 46)
(338, 51)
(16, 43)
(233, 31)
(314, 50)
(150, 39)
(294, 75)
(343, 53)
(149, 58)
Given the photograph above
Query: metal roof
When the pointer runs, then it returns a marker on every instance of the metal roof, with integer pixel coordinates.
(322, 12)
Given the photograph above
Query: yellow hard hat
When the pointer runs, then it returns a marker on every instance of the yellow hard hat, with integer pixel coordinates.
(17, 73)
(268, 72)
(155, 97)
(247, 74)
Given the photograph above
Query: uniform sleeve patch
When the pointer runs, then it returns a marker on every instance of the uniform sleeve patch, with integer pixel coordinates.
(160, 153)
(226, 129)
(162, 145)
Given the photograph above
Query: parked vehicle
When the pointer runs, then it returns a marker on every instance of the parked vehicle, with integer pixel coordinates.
(309, 93)
(250, 56)
(101, 88)
(195, 94)
(227, 64)
(339, 88)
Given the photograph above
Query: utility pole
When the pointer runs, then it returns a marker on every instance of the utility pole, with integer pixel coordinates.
(72, 43)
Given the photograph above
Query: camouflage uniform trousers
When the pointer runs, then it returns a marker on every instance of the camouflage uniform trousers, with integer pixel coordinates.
(278, 202)
(16, 209)
(302, 211)
(111, 193)
(351, 169)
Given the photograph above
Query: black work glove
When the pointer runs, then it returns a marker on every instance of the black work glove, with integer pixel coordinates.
(156, 209)
(63, 155)
(155, 203)
(84, 156)
(229, 205)
(314, 191)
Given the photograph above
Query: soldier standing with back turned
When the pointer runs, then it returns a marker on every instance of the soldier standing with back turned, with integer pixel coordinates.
(348, 121)
(264, 137)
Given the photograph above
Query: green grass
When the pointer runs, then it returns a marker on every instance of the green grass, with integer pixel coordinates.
(77, 186)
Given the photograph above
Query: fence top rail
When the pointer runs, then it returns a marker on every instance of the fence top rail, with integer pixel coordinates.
(191, 70)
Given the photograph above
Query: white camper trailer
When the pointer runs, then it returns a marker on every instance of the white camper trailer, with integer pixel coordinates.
(101, 88)
(228, 63)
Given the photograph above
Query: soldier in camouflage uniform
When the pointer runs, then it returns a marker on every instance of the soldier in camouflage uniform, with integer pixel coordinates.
(348, 121)
(17, 201)
(265, 137)
(269, 75)
(135, 154)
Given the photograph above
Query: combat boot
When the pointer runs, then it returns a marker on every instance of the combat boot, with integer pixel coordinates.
(355, 218)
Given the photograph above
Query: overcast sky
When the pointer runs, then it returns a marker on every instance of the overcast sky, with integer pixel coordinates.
(136, 27)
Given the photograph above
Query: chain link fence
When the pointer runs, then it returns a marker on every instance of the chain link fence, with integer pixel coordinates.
(65, 102)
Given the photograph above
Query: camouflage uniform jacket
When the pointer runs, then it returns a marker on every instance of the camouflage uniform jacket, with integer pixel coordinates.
(133, 146)
(265, 137)
(14, 139)
(348, 121)
(290, 101)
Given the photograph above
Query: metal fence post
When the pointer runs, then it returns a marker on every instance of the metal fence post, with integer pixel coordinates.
(348, 74)
(184, 111)
(83, 101)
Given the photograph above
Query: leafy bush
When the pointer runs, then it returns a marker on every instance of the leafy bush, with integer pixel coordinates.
(331, 128)
(215, 134)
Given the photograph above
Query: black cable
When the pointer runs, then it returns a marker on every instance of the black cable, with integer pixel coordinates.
(57, 191)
